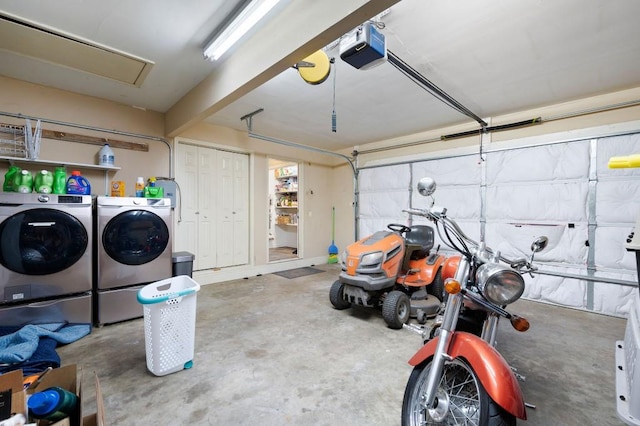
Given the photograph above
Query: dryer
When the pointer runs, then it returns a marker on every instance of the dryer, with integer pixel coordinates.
(133, 248)
(45, 258)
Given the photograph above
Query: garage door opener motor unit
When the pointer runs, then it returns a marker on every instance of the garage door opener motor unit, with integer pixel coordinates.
(364, 47)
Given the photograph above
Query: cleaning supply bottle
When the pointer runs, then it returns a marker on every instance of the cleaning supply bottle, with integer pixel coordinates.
(140, 187)
(106, 156)
(8, 178)
(23, 182)
(60, 181)
(77, 184)
(153, 191)
(43, 182)
(53, 404)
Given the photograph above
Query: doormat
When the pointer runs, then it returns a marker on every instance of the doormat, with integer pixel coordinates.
(298, 272)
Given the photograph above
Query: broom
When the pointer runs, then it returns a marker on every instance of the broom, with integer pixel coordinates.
(333, 249)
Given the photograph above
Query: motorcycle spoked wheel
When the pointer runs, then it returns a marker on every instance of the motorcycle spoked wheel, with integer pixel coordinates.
(461, 399)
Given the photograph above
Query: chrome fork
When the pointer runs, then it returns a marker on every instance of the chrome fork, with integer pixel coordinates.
(448, 327)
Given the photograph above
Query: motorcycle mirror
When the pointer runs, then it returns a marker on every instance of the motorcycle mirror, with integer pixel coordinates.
(426, 186)
(539, 244)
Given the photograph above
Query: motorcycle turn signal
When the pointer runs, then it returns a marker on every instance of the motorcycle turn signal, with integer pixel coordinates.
(452, 286)
(519, 323)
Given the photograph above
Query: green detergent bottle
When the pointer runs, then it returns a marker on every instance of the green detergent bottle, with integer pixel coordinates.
(43, 182)
(23, 182)
(60, 181)
(8, 178)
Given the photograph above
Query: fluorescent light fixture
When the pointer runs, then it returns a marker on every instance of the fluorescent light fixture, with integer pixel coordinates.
(250, 15)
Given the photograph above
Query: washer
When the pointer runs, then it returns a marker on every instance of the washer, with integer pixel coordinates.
(45, 258)
(133, 248)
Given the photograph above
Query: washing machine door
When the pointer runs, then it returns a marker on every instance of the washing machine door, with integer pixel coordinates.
(135, 237)
(41, 241)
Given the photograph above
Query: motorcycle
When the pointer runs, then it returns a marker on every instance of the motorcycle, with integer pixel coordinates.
(459, 377)
(394, 270)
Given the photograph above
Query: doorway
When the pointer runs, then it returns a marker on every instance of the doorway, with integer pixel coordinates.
(283, 210)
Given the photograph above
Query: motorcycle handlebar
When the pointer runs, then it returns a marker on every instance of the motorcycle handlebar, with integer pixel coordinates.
(435, 214)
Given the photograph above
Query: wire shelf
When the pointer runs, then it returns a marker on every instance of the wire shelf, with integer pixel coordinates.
(12, 141)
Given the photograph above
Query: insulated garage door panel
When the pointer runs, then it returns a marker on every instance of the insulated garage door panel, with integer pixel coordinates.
(538, 201)
(462, 170)
(384, 193)
(564, 161)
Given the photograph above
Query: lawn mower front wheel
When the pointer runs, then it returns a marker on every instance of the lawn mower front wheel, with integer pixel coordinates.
(336, 296)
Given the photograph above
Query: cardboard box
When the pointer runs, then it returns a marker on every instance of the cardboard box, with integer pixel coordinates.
(118, 188)
(68, 377)
(13, 381)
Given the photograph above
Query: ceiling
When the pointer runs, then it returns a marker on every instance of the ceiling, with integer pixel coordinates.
(492, 56)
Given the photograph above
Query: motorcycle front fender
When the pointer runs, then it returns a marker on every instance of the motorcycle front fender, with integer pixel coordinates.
(491, 368)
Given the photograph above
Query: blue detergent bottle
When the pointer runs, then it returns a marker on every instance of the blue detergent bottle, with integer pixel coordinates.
(53, 404)
(77, 184)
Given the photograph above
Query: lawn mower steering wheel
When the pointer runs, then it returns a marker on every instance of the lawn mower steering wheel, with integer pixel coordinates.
(396, 227)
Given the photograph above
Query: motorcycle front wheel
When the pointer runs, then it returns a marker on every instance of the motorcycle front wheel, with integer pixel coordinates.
(460, 399)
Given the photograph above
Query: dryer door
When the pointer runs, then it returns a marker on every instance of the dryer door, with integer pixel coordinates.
(41, 241)
(135, 237)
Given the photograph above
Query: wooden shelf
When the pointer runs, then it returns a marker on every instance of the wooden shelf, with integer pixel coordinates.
(286, 207)
(13, 160)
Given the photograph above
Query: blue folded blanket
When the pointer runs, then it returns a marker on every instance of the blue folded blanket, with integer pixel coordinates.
(21, 345)
(44, 356)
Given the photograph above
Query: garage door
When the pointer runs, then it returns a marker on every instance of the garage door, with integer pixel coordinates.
(563, 190)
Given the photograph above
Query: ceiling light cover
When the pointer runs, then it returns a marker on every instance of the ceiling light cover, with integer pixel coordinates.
(250, 15)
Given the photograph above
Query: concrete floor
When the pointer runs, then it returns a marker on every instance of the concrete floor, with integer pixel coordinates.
(272, 351)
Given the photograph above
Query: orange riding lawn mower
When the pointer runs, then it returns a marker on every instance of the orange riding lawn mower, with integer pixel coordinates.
(393, 270)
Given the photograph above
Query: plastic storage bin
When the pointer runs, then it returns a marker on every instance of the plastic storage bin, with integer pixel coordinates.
(169, 323)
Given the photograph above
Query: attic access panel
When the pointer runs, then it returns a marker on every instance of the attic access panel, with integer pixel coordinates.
(31, 39)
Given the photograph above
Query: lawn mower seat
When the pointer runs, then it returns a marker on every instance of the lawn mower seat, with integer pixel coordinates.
(418, 242)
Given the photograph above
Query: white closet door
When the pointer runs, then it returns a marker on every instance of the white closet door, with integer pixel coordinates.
(232, 215)
(214, 192)
(241, 209)
(186, 229)
(206, 188)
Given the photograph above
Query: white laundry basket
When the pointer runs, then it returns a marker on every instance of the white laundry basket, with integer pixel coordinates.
(169, 323)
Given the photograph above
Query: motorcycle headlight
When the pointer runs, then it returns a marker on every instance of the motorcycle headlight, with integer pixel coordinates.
(499, 283)
(371, 259)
